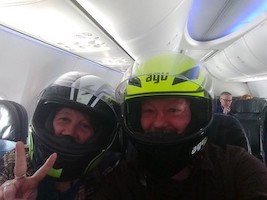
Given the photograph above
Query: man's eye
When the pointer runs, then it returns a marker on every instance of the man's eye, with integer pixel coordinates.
(63, 120)
(174, 110)
(86, 126)
(147, 110)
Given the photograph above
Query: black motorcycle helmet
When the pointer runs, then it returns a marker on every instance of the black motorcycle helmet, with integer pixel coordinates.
(161, 76)
(88, 94)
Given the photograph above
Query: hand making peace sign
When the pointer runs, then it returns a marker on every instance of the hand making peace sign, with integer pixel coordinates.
(22, 187)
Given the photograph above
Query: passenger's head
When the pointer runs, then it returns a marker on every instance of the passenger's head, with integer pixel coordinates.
(226, 99)
(76, 118)
(246, 97)
(166, 109)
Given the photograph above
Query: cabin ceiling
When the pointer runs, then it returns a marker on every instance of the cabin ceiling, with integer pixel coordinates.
(224, 35)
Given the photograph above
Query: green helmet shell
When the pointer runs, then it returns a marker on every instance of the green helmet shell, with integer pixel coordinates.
(167, 74)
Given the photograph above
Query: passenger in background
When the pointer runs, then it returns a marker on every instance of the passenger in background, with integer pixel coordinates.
(225, 103)
(165, 121)
(73, 126)
(246, 96)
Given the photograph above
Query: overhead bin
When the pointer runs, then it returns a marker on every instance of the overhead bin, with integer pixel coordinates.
(244, 60)
(218, 67)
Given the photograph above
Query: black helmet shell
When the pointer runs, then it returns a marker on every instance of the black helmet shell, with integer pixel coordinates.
(88, 94)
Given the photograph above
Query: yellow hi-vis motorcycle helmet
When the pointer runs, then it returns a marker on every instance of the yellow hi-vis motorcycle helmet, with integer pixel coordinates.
(162, 76)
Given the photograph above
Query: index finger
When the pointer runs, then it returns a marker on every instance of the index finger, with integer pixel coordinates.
(20, 168)
(43, 170)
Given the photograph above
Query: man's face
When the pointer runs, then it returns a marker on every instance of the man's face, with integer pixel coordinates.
(226, 101)
(73, 123)
(165, 115)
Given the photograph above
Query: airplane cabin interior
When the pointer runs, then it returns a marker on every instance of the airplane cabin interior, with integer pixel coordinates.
(42, 39)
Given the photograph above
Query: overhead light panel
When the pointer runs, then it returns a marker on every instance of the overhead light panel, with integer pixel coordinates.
(63, 25)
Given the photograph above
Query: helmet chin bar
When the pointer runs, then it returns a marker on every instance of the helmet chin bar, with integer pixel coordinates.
(165, 162)
(70, 171)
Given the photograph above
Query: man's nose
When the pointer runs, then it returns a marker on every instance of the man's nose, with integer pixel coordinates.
(70, 130)
(160, 120)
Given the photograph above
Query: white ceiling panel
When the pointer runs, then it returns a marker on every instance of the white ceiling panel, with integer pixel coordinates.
(141, 26)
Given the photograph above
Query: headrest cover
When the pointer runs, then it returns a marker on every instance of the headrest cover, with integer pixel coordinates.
(255, 105)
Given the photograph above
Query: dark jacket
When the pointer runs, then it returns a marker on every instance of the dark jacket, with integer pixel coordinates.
(228, 173)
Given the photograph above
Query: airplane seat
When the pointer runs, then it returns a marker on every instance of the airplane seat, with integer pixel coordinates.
(226, 129)
(13, 125)
(252, 115)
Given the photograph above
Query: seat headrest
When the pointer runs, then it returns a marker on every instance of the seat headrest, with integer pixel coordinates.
(255, 105)
(13, 121)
